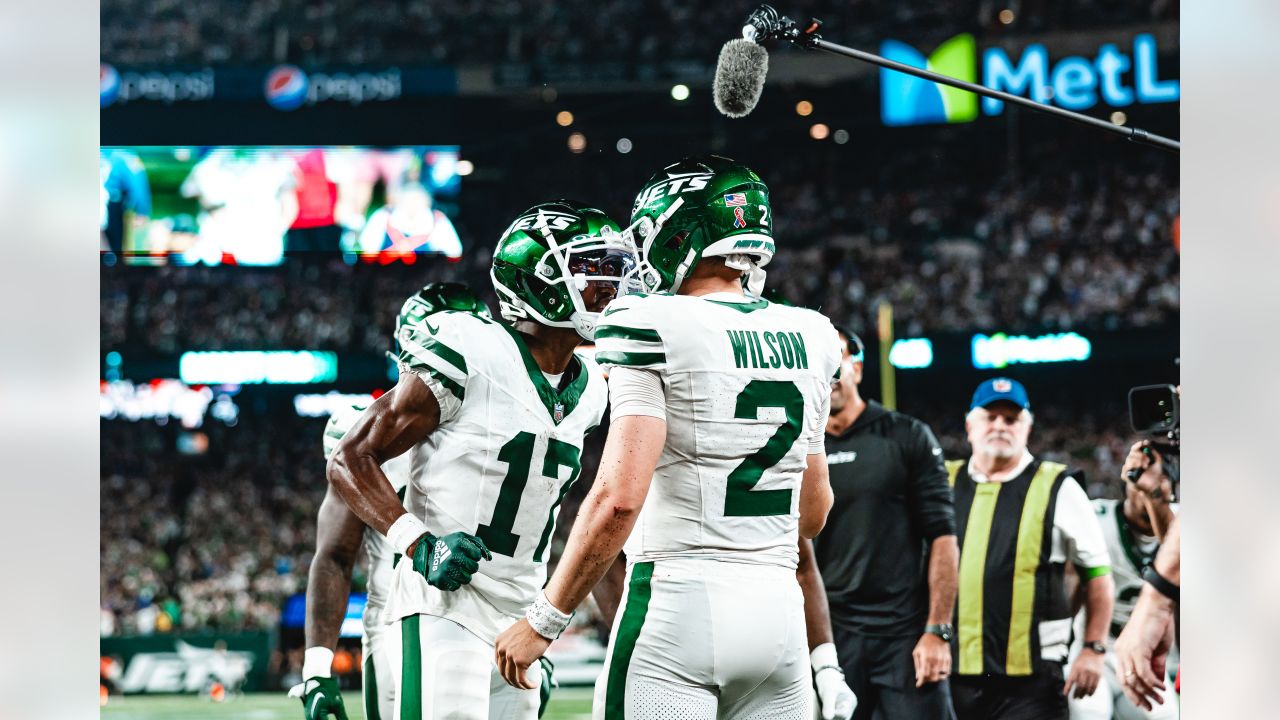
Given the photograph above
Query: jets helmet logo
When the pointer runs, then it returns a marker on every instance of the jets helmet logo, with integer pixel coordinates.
(675, 184)
(542, 221)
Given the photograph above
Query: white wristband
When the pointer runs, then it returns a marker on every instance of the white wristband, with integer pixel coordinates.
(316, 662)
(823, 657)
(545, 618)
(404, 532)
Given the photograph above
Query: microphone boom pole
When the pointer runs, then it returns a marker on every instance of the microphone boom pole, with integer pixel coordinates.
(766, 24)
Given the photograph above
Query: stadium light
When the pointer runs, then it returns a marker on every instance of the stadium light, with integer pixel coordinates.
(465, 167)
(1119, 118)
(624, 145)
(1000, 350)
(564, 118)
(804, 108)
(819, 131)
(258, 367)
(577, 142)
(680, 92)
(1006, 16)
(840, 136)
(911, 353)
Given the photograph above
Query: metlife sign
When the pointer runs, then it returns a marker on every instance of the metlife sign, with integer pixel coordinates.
(1114, 76)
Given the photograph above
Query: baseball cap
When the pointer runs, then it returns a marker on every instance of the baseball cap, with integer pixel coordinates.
(1000, 389)
(857, 350)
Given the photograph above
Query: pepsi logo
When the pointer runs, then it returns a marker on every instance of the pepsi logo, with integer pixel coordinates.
(1001, 386)
(108, 85)
(286, 87)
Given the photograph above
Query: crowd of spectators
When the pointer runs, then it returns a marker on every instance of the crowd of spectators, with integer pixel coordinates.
(206, 542)
(954, 247)
(351, 32)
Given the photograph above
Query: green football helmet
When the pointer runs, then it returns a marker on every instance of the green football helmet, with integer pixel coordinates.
(547, 257)
(437, 296)
(699, 207)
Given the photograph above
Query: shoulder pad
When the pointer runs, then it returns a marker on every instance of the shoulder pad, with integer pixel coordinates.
(628, 334)
(438, 347)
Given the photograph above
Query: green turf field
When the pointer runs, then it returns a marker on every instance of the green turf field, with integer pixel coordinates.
(566, 704)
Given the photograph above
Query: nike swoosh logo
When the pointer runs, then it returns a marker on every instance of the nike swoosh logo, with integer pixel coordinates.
(315, 702)
(432, 328)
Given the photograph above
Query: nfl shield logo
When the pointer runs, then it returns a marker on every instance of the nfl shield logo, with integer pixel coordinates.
(1001, 385)
(558, 414)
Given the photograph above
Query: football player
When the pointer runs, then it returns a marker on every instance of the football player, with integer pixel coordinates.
(339, 537)
(1133, 529)
(493, 417)
(713, 468)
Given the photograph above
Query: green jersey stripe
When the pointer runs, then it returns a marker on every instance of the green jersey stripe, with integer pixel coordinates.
(627, 333)
(448, 354)
(624, 643)
(458, 391)
(635, 359)
(370, 685)
(414, 345)
(410, 669)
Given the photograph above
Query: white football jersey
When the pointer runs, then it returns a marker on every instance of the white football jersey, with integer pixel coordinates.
(507, 450)
(747, 385)
(1129, 558)
(376, 547)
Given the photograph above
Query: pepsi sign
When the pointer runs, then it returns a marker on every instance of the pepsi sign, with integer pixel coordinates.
(288, 87)
(165, 87)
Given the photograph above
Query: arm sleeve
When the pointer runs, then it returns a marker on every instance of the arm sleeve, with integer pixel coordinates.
(636, 392)
(628, 336)
(435, 350)
(932, 503)
(818, 438)
(1073, 515)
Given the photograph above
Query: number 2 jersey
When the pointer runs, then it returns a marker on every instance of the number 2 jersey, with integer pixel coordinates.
(507, 450)
(747, 387)
(376, 547)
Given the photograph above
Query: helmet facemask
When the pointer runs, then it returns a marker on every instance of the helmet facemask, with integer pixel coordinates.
(564, 272)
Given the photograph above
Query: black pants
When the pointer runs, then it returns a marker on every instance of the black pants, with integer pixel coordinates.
(881, 673)
(996, 697)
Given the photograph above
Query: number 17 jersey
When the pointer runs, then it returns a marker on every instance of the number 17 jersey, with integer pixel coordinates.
(747, 385)
(507, 450)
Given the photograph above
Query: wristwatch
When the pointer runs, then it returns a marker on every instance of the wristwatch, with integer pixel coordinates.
(1097, 646)
(944, 631)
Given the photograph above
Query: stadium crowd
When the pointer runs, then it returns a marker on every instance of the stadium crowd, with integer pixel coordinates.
(350, 32)
(1060, 250)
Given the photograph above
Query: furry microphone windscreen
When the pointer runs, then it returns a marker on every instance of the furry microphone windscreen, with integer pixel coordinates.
(740, 74)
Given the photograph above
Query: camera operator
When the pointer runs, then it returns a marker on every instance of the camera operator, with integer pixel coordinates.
(1143, 647)
(1133, 529)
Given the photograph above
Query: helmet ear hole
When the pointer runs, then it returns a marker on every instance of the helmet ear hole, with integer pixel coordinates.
(673, 242)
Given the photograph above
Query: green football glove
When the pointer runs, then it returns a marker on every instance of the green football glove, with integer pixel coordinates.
(321, 698)
(548, 682)
(449, 562)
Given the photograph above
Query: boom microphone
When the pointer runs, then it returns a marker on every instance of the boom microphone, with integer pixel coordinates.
(743, 63)
(740, 73)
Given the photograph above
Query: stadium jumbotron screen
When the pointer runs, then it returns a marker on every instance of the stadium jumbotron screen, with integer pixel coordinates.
(258, 205)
